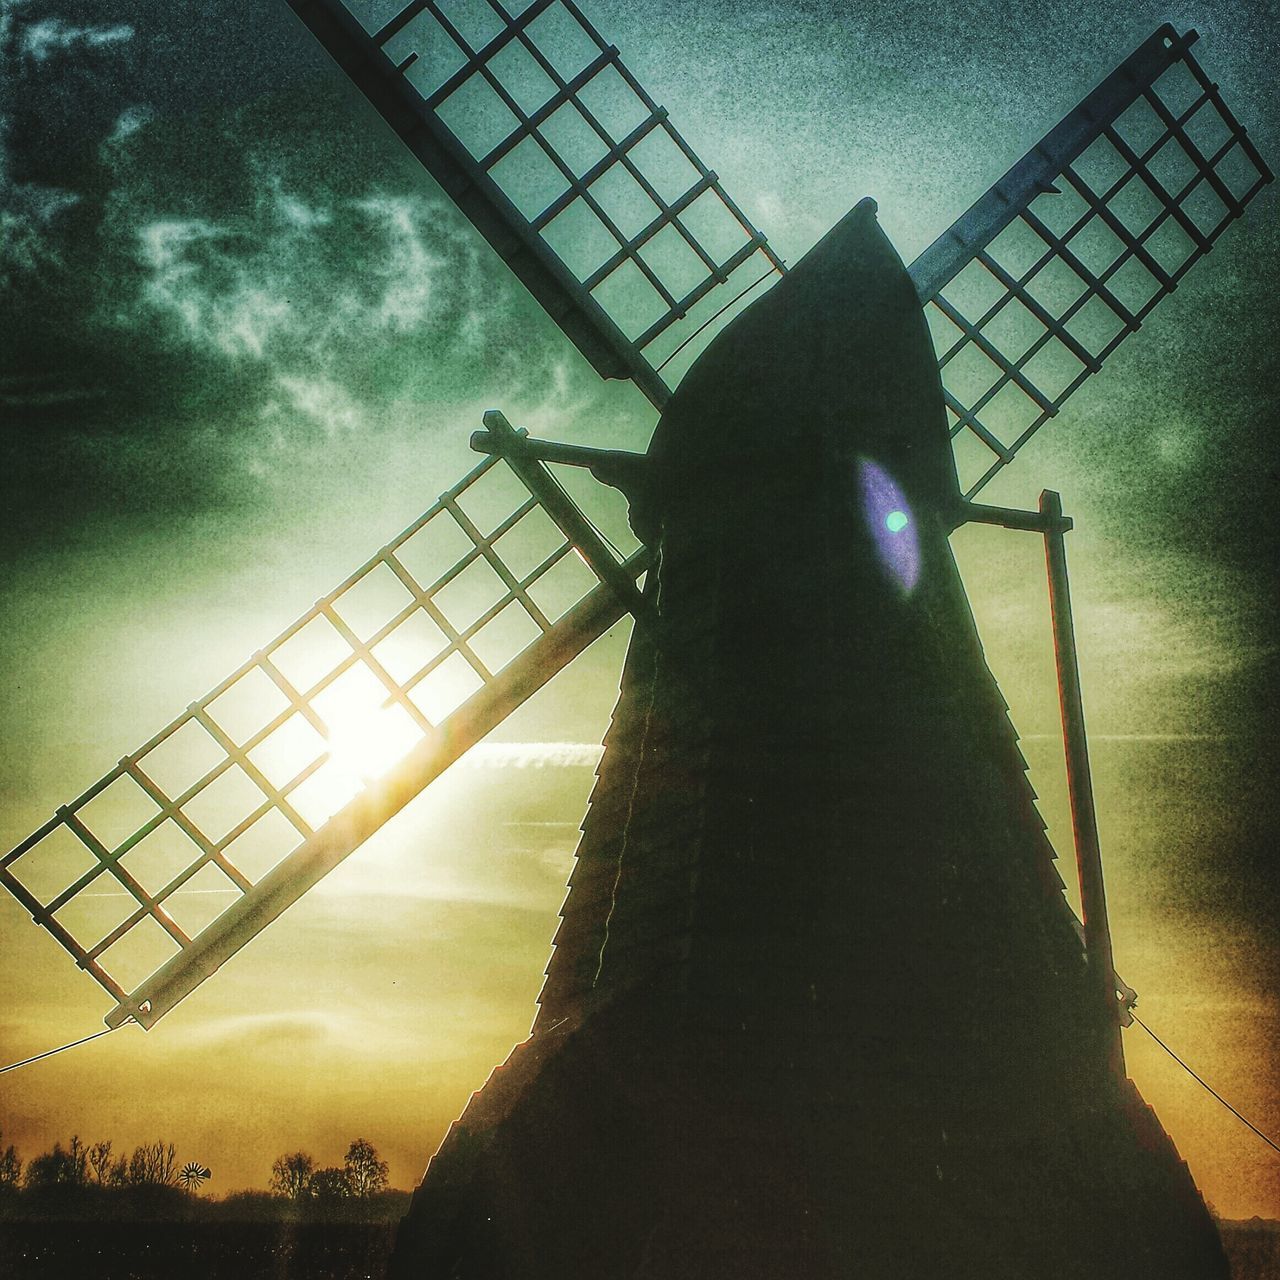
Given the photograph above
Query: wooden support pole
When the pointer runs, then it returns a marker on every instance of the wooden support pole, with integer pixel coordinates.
(1084, 819)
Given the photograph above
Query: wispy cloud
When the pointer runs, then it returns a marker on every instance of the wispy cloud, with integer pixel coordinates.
(128, 122)
(297, 280)
(319, 400)
(1177, 636)
(534, 755)
(313, 296)
(285, 1028)
(290, 299)
(50, 36)
(21, 393)
(405, 270)
(28, 211)
(553, 825)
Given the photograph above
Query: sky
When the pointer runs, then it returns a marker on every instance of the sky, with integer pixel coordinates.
(245, 341)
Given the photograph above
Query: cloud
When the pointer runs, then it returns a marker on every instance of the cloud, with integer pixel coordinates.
(405, 268)
(319, 400)
(297, 280)
(29, 393)
(272, 246)
(51, 36)
(324, 307)
(128, 122)
(27, 215)
(212, 301)
(261, 1030)
(534, 755)
(27, 210)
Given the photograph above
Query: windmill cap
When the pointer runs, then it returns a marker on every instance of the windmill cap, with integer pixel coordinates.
(834, 363)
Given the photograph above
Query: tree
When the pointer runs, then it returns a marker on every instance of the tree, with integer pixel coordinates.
(60, 1167)
(152, 1165)
(366, 1173)
(328, 1185)
(10, 1168)
(291, 1174)
(100, 1162)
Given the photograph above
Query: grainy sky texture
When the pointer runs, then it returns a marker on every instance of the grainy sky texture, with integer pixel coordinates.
(244, 341)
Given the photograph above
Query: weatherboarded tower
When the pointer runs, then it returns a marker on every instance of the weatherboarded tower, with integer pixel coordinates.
(816, 1006)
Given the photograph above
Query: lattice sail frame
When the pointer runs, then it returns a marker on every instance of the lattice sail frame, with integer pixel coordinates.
(226, 816)
(1037, 284)
(85, 847)
(534, 126)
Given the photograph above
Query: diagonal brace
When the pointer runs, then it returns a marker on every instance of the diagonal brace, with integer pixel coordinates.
(504, 439)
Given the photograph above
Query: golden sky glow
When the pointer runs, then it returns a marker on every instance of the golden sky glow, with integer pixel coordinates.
(383, 998)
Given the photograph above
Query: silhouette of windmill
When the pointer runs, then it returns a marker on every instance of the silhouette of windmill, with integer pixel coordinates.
(534, 126)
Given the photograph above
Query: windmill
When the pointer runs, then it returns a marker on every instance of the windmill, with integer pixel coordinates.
(535, 127)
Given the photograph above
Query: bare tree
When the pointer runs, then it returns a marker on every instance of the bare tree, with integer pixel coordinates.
(78, 1158)
(152, 1165)
(100, 1163)
(366, 1173)
(164, 1163)
(291, 1174)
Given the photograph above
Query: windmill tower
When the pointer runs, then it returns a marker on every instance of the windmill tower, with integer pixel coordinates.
(815, 1007)
(764, 719)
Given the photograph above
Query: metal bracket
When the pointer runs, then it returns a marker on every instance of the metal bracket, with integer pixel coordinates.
(1010, 518)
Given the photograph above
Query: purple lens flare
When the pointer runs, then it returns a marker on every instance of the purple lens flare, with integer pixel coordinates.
(892, 525)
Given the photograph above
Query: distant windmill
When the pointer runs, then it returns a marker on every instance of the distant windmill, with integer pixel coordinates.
(544, 139)
(193, 1174)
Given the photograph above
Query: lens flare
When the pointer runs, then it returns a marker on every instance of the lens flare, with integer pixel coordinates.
(892, 528)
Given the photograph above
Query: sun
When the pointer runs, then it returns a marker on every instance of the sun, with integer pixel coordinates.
(365, 743)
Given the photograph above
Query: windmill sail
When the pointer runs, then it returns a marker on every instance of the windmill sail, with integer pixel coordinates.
(265, 784)
(546, 141)
(534, 126)
(1047, 273)
(1033, 287)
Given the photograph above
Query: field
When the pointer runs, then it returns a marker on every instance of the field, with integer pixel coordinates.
(1254, 1249)
(195, 1250)
(324, 1250)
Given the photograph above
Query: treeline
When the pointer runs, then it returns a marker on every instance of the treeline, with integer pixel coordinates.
(90, 1180)
(154, 1164)
(363, 1174)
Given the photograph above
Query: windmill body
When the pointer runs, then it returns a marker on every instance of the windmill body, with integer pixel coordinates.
(815, 1008)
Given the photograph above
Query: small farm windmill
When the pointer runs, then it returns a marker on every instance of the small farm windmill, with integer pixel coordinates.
(534, 126)
(193, 1175)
